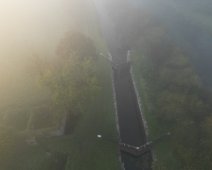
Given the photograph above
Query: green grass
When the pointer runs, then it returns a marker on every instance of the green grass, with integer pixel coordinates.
(85, 151)
(162, 150)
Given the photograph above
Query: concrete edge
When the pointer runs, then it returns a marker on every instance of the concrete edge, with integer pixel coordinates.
(154, 157)
(116, 118)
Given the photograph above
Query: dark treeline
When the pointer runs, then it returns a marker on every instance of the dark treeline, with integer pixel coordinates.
(187, 23)
(179, 103)
(168, 46)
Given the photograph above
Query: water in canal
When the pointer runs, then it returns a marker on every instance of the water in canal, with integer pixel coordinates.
(131, 126)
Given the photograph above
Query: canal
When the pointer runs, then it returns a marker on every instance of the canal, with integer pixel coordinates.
(130, 121)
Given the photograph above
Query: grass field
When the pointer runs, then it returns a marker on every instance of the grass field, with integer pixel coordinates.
(81, 150)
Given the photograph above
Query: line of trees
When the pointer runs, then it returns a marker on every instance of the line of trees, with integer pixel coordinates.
(178, 100)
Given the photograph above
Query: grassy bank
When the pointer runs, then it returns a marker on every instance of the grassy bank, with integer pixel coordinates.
(162, 150)
(83, 149)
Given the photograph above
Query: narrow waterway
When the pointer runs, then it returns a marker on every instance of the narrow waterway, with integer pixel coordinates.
(131, 126)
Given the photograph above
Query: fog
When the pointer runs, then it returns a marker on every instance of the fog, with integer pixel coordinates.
(170, 41)
(34, 28)
(30, 28)
(186, 23)
(59, 91)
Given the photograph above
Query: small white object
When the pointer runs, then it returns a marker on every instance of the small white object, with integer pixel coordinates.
(99, 136)
(137, 148)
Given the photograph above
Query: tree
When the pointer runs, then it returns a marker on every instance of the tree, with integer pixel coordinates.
(71, 77)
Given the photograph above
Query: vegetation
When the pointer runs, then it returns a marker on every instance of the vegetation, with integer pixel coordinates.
(95, 109)
(80, 84)
(71, 78)
(72, 85)
(174, 101)
(55, 126)
(166, 40)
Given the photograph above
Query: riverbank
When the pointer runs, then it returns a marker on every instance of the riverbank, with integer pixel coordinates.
(161, 151)
(131, 125)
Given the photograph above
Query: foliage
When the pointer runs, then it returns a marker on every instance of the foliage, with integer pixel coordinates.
(179, 104)
(81, 145)
(164, 42)
(71, 77)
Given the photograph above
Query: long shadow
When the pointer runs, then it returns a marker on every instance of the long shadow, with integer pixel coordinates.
(130, 121)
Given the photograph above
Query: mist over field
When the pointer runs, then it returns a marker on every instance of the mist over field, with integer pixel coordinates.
(100, 84)
(53, 87)
(34, 28)
(30, 29)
